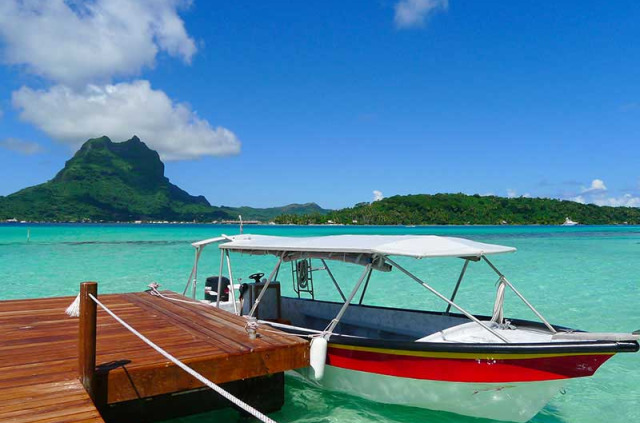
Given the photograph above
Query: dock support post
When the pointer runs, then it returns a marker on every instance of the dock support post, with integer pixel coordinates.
(87, 337)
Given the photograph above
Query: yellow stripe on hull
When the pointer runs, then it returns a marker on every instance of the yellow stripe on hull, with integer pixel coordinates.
(478, 356)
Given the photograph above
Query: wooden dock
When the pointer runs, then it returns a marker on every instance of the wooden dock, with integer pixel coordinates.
(39, 362)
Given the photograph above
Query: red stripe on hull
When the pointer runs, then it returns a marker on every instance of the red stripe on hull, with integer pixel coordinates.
(467, 370)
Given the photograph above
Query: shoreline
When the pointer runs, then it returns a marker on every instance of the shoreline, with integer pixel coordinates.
(227, 224)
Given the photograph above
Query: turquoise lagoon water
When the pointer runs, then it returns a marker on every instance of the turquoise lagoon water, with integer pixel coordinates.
(585, 277)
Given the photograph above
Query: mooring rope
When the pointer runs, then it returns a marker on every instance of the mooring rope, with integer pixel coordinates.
(153, 290)
(238, 402)
(251, 325)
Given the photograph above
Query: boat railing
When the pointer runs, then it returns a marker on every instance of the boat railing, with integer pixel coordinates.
(375, 259)
(505, 281)
(445, 299)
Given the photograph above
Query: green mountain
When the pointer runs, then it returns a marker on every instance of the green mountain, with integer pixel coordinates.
(107, 181)
(461, 209)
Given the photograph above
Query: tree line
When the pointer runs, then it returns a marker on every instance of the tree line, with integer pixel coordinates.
(462, 209)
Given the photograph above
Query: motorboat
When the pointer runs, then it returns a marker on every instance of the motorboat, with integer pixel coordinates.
(487, 366)
(569, 222)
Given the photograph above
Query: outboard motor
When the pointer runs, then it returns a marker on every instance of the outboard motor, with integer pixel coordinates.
(211, 288)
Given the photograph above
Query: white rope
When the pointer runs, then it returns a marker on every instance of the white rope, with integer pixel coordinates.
(524, 300)
(153, 290)
(313, 333)
(285, 326)
(279, 332)
(250, 326)
(74, 308)
(498, 306)
(246, 407)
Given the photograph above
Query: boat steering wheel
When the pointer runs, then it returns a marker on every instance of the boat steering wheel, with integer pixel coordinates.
(256, 277)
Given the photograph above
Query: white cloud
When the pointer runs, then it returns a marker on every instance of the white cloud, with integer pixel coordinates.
(629, 200)
(626, 200)
(21, 146)
(601, 199)
(597, 193)
(81, 46)
(377, 195)
(596, 185)
(512, 193)
(578, 199)
(413, 13)
(120, 111)
(79, 42)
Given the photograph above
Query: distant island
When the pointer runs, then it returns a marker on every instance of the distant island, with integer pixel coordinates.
(462, 209)
(123, 182)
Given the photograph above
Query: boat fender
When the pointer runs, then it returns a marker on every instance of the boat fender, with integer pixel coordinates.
(318, 356)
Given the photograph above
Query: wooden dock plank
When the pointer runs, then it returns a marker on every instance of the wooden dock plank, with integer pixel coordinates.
(39, 354)
(218, 332)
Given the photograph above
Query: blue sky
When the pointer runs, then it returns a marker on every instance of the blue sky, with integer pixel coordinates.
(269, 103)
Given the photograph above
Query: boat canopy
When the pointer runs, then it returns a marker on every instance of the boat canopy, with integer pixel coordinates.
(417, 246)
(205, 242)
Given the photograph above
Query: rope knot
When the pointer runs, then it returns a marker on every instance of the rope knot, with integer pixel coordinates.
(251, 327)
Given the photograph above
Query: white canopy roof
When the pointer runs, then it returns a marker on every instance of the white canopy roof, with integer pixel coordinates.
(418, 246)
(208, 241)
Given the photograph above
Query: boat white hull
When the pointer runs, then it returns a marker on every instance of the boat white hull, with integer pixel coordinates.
(513, 401)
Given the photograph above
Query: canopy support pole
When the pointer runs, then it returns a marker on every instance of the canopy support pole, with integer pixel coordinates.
(329, 330)
(326, 267)
(266, 285)
(220, 278)
(194, 282)
(503, 279)
(366, 285)
(193, 274)
(442, 297)
(232, 293)
(186, 287)
(455, 290)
